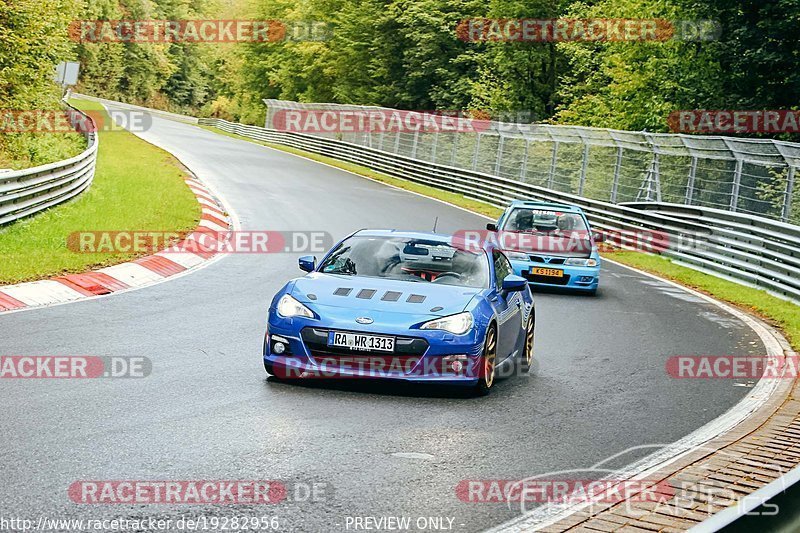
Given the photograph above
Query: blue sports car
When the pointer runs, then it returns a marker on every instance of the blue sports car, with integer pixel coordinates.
(404, 306)
(550, 245)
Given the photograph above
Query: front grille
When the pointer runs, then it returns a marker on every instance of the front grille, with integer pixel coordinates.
(551, 261)
(316, 340)
(549, 280)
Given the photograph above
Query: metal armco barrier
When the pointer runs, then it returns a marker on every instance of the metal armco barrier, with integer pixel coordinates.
(752, 176)
(28, 191)
(744, 248)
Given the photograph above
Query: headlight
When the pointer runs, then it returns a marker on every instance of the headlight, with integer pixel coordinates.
(289, 307)
(581, 262)
(517, 256)
(456, 324)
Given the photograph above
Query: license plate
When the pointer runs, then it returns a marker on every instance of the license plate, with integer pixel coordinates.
(360, 342)
(552, 272)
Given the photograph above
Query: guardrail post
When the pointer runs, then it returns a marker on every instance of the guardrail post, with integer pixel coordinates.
(455, 149)
(414, 145)
(523, 168)
(551, 176)
(737, 181)
(434, 147)
(657, 175)
(617, 170)
(787, 202)
(477, 150)
(499, 158)
(585, 163)
(690, 182)
(397, 142)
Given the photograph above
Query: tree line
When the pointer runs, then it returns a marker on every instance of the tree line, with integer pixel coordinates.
(409, 54)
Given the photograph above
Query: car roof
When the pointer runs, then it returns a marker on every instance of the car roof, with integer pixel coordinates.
(552, 205)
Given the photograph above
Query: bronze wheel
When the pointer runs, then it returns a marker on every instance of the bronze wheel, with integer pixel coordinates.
(486, 379)
(527, 355)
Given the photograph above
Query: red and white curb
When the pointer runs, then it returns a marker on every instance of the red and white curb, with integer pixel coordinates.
(125, 276)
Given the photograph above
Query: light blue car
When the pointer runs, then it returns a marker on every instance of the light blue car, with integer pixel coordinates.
(550, 245)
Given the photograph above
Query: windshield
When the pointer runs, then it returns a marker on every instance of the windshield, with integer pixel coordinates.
(406, 259)
(547, 221)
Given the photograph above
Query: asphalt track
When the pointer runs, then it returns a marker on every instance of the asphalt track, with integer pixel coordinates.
(207, 411)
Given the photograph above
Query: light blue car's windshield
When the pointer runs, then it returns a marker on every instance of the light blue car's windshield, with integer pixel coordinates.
(549, 221)
(408, 260)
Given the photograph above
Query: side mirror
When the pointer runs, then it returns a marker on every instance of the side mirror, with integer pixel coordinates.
(307, 263)
(491, 226)
(514, 283)
(599, 237)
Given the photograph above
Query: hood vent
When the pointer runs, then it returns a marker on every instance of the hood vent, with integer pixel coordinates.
(388, 296)
(391, 296)
(366, 294)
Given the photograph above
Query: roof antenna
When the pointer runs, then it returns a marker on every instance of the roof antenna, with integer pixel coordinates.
(435, 222)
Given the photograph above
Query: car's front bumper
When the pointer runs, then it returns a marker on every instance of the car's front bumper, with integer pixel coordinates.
(576, 278)
(427, 356)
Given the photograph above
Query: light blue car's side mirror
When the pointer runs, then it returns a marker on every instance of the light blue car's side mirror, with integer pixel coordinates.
(307, 263)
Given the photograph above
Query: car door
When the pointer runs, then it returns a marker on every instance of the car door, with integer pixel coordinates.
(508, 308)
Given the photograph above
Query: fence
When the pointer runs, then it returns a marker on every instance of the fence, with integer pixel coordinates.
(28, 191)
(748, 249)
(741, 175)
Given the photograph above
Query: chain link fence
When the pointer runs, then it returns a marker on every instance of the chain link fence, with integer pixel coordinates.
(740, 175)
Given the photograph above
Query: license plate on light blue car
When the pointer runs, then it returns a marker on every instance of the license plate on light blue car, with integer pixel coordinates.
(360, 342)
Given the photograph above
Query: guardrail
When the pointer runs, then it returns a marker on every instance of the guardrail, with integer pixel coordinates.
(28, 191)
(753, 176)
(744, 248)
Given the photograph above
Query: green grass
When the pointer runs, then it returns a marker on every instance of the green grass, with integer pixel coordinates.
(778, 312)
(25, 150)
(137, 187)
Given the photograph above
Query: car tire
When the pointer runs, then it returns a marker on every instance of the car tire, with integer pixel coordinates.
(527, 350)
(486, 376)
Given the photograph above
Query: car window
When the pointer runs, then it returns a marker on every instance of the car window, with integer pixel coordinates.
(408, 259)
(502, 268)
(548, 221)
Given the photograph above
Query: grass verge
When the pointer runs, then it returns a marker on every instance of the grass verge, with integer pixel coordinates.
(778, 312)
(137, 187)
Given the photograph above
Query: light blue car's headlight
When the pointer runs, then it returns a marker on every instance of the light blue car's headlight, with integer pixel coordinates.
(517, 256)
(455, 324)
(288, 307)
(574, 261)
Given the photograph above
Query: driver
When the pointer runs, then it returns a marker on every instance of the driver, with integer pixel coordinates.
(523, 221)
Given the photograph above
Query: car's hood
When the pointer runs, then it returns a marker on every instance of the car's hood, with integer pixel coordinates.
(378, 295)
